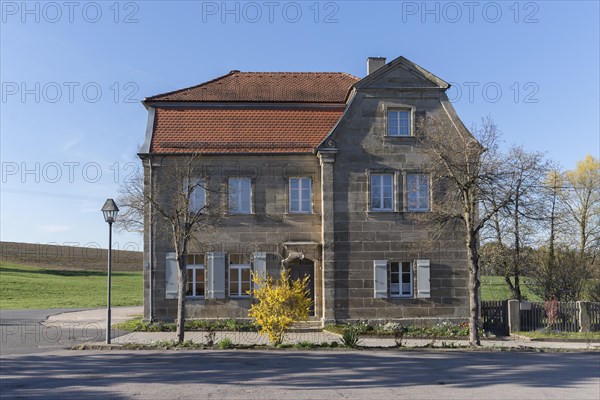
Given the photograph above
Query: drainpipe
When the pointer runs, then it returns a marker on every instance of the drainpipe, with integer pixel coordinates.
(151, 244)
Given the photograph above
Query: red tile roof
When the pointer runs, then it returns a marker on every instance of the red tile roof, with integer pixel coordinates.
(246, 130)
(296, 87)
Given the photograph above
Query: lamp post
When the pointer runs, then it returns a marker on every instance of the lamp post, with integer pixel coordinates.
(110, 211)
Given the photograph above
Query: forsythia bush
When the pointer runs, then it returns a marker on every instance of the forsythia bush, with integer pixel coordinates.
(280, 303)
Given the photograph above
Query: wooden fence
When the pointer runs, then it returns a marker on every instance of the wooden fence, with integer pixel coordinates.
(532, 316)
(594, 313)
(557, 316)
(494, 315)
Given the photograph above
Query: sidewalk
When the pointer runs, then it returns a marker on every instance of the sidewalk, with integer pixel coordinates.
(249, 338)
(120, 314)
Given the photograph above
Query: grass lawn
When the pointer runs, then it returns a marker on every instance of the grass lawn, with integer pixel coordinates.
(494, 288)
(24, 287)
(560, 335)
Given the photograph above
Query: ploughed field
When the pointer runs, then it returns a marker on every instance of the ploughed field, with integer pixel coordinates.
(51, 276)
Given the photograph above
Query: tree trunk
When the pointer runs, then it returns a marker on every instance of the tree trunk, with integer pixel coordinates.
(582, 237)
(474, 284)
(181, 301)
(511, 287)
(516, 289)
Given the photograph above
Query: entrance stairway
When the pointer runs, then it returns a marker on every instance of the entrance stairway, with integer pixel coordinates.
(311, 325)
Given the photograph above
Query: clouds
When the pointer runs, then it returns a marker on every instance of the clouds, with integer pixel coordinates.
(69, 144)
(54, 228)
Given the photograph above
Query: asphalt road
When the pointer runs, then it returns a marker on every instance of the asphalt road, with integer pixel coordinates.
(301, 375)
(22, 332)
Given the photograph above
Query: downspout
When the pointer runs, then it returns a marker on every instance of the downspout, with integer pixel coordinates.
(145, 154)
(151, 243)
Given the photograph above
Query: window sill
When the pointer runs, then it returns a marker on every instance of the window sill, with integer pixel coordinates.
(402, 297)
(293, 214)
(399, 137)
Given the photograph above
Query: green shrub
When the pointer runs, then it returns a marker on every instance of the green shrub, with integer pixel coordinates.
(139, 325)
(443, 328)
(173, 344)
(351, 336)
(225, 344)
(591, 290)
(304, 345)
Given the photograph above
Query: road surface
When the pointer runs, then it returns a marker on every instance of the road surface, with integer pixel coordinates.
(292, 374)
(34, 331)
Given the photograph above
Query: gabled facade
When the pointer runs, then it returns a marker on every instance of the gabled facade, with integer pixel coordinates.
(319, 173)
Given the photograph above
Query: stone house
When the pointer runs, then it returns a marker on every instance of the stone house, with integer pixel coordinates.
(319, 173)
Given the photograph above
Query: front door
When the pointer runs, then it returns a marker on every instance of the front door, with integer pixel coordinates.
(300, 269)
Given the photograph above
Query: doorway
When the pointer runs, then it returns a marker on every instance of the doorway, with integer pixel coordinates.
(300, 268)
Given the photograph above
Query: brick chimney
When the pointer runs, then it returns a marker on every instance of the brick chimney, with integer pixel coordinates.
(374, 63)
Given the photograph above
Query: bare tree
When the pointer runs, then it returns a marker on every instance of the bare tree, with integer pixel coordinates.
(552, 190)
(184, 220)
(566, 263)
(466, 170)
(131, 201)
(582, 201)
(512, 230)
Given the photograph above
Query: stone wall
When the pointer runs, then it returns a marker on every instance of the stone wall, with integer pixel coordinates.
(266, 230)
(347, 235)
(362, 236)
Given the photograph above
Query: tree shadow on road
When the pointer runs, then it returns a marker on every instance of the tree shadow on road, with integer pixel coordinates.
(96, 373)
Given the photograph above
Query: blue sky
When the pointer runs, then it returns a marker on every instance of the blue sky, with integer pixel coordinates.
(72, 77)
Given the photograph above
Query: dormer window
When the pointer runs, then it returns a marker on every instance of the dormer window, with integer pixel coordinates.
(398, 123)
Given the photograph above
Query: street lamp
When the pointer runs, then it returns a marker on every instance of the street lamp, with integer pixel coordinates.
(110, 211)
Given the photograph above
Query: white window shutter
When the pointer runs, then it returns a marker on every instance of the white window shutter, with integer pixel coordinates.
(171, 276)
(380, 278)
(423, 274)
(260, 263)
(215, 279)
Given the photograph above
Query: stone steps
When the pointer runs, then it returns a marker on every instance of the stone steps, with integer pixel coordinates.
(307, 326)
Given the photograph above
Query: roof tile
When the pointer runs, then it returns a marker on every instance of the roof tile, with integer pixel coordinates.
(297, 87)
(247, 130)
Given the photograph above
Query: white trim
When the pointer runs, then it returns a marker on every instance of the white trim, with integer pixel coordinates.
(239, 181)
(300, 198)
(194, 268)
(421, 178)
(239, 268)
(244, 263)
(381, 191)
(399, 108)
(199, 185)
(401, 264)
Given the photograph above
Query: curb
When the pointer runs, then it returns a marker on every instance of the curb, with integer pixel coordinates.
(555, 340)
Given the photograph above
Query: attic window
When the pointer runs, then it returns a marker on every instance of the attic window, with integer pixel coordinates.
(399, 123)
